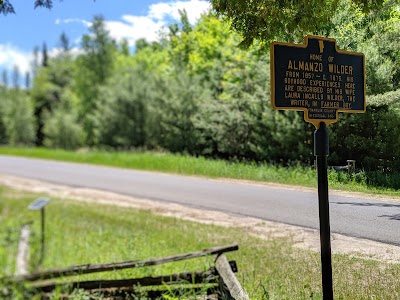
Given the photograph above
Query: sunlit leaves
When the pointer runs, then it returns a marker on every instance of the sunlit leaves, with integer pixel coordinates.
(266, 20)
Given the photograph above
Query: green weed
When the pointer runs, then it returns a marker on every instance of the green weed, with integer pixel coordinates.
(367, 182)
(79, 233)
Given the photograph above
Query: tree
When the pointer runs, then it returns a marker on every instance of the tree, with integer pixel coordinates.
(62, 130)
(53, 80)
(4, 78)
(18, 119)
(7, 8)
(377, 35)
(64, 43)
(42, 94)
(35, 62)
(177, 102)
(180, 40)
(123, 115)
(45, 56)
(27, 80)
(93, 68)
(377, 148)
(382, 48)
(266, 20)
(16, 77)
(42, 97)
(4, 96)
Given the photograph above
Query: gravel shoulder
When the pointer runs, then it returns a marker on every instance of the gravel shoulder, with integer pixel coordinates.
(301, 237)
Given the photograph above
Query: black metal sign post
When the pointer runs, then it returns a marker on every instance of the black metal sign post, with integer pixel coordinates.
(321, 80)
(39, 204)
(321, 152)
(42, 242)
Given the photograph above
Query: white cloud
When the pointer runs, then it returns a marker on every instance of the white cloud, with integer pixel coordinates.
(194, 9)
(73, 20)
(11, 56)
(133, 28)
(74, 51)
(130, 27)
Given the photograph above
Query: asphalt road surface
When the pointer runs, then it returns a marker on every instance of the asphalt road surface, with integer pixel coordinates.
(357, 217)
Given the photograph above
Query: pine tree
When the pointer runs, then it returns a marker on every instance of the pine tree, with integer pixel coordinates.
(16, 77)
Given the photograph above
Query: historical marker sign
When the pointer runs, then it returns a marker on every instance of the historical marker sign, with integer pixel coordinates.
(317, 78)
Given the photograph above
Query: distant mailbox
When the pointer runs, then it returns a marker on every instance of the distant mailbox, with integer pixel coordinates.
(39, 203)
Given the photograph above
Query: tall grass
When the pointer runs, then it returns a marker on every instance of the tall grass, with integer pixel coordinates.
(175, 163)
(79, 233)
(368, 182)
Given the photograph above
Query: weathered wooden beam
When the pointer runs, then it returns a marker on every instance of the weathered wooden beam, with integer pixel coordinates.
(22, 261)
(185, 277)
(225, 272)
(127, 293)
(89, 268)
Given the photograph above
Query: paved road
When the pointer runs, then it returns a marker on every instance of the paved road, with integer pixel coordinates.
(375, 220)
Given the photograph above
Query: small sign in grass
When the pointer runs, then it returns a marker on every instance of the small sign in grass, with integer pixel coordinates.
(268, 269)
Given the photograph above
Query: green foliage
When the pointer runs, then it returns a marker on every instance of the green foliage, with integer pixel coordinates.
(273, 266)
(375, 148)
(391, 99)
(124, 110)
(267, 20)
(3, 107)
(227, 125)
(93, 68)
(62, 130)
(180, 42)
(348, 25)
(153, 57)
(179, 100)
(382, 49)
(17, 118)
(376, 34)
(51, 89)
(196, 91)
(372, 182)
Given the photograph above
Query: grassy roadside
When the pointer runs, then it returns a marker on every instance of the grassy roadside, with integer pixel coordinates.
(268, 269)
(199, 166)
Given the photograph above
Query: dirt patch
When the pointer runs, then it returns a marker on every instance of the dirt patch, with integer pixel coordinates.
(301, 237)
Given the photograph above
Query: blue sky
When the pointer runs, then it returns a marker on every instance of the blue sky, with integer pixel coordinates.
(129, 19)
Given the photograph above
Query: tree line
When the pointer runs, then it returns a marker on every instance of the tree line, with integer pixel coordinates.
(204, 90)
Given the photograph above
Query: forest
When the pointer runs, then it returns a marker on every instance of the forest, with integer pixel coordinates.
(204, 90)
